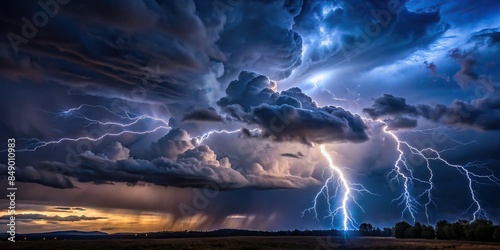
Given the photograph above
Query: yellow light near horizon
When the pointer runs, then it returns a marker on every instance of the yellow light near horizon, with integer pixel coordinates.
(109, 221)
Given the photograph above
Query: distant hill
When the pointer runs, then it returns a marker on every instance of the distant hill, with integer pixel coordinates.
(71, 233)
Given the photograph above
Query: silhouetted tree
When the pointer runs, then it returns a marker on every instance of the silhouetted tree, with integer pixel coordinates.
(483, 230)
(480, 230)
(457, 230)
(388, 232)
(366, 228)
(428, 232)
(401, 229)
(416, 231)
(441, 229)
(496, 234)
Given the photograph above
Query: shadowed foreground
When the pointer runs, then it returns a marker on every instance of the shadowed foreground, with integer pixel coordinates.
(248, 243)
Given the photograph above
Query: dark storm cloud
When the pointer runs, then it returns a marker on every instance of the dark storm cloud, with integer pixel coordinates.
(431, 66)
(55, 218)
(70, 209)
(482, 114)
(175, 142)
(390, 105)
(298, 155)
(466, 74)
(488, 37)
(43, 176)
(290, 115)
(63, 208)
(363, 34)
(174, 160)
(169, 53)
(400, 121)
(320, 125)
(194, 168)
(153, 52)
(263, 42)
(464, 13)
(106, 49)
(477, 58)
(186, 52)
(207, 115)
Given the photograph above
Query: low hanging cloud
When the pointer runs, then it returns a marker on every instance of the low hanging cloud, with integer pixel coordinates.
(298, 155)
(290, 115)
(174, 160)
(477, 57)
(55, 218)
(43, 176)
(70, 209)
(203, 115)
(481, 114)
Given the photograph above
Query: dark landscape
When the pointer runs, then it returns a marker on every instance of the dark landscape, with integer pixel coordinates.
(252, 243)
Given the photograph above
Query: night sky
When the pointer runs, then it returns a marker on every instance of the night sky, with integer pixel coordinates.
(152, 115)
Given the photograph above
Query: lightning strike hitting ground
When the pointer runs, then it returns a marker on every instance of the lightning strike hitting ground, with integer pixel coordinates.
(335, 182)
(347, 189)
(429, 154)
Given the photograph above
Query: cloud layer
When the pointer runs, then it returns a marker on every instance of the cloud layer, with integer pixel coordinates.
(289, 115)
(174, 160)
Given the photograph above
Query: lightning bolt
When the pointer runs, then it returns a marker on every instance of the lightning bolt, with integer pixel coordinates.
(336, 183)
(402, 170)
(347, 194)
(134, 118)
(406, 198)
(130, 117)
(31, 148)
(205, 136)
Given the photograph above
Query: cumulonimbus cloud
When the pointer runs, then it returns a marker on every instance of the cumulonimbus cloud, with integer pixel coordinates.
(174, 160)
(290, 115)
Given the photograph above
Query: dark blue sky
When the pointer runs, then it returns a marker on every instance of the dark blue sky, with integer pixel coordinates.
(146, 79)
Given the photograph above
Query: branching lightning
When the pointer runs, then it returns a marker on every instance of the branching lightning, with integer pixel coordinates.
(336, 182)
(127, 115)
(205, 136)
(347, 194)
(403, 171)
(34, 147)
(131, 118)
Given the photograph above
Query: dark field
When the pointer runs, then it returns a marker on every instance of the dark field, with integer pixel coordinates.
(249, 243)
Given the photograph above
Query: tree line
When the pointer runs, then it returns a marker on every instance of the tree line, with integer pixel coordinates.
(477, 230)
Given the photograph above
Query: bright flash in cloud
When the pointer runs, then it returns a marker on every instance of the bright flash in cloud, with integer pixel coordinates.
(316, 79)
(327, 9)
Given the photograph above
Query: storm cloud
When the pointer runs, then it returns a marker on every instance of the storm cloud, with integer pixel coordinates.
(289, 115)
(55, 218)
(481, 114)
(271, 80)
(174, 160)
